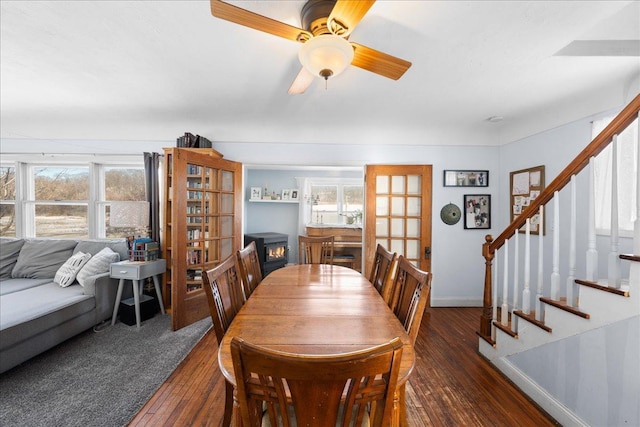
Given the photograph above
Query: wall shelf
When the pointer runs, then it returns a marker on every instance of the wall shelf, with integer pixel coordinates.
(273, 201)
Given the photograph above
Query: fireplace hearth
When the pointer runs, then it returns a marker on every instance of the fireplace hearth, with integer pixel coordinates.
(272, 250)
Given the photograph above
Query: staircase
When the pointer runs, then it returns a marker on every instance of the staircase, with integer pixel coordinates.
(572, 345)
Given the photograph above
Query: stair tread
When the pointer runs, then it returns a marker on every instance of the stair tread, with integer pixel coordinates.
(531, 317)
(604, 288)
(630, 257)
(562, 305)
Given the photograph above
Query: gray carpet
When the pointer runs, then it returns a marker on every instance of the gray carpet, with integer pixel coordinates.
(97, 378)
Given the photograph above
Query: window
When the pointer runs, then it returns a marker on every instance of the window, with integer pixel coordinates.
(65, 200)
(627, 172)
(7, 202)
(335, 202)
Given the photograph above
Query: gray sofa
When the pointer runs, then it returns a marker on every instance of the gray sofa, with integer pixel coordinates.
(37, 313)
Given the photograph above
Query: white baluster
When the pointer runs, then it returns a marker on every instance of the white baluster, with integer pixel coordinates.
(555, 275)
(539, 314)
(504, 311)
(494, 314)
(516, 263)
(592, 252)
(614, 260)
(526, 293)
(636, 225)
(571, 278)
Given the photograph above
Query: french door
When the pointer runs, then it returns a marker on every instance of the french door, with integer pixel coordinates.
(398, 212)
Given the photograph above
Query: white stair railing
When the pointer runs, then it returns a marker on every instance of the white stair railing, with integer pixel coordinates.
(591, 273)
(539, 290)
(526, 293)
(572, 297)
(555, 275)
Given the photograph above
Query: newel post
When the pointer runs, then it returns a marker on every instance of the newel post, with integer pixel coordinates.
(487, 303)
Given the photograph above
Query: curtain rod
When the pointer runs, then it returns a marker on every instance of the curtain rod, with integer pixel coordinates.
(75, 154)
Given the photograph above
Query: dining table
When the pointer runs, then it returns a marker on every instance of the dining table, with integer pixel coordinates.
(317, 309)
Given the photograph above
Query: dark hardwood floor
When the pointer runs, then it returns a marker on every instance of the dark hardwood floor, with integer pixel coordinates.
(452, 384)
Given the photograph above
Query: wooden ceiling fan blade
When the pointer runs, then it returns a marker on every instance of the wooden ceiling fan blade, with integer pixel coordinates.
(301, 83)
(240, 16)
(378, 62)
(346, 14)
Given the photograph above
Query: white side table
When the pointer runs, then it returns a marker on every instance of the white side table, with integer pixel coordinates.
(136, 271)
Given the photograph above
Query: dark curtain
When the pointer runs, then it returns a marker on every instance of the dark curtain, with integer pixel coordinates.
(152, 183)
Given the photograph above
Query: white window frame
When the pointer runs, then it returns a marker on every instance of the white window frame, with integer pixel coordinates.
(25, 190)
(340, 183)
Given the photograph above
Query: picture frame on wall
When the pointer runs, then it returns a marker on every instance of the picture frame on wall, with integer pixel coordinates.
(466, 178)
(525, 186)
(256, 193)
(286, 194)
(477, 211)
(294, 194)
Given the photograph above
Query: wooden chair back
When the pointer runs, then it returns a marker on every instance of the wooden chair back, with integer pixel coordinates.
(411, 289)
(381, 272)
(316, 390)
(316, 250)
(249, 268)
(224, 294)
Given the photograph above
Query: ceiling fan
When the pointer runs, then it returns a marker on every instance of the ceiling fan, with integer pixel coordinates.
(325, 50)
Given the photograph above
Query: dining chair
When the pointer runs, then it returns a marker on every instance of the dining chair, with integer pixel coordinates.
(224, 295)
(316, 250)
(411, 288)
(348, 389)
(381, 272)
(249, 268)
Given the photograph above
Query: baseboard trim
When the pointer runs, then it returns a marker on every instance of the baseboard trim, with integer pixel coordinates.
(539, 395)
(456, 302)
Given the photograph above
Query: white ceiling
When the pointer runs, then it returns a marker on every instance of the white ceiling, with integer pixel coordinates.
(152, 70)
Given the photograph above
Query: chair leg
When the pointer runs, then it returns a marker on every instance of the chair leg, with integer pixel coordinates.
(228, 404)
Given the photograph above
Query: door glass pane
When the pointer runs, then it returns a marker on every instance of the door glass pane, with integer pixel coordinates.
(226, 248)
(382, 184)
(382, 227)
(413, 227)
(383, 242)
(413, 249)
(397, 206)
(397, 246)
(226, 203)
(227, 181)
(397, 227)
(382, 206)
(226, 226)
(413, 184)
(397, 185)
(413, 206)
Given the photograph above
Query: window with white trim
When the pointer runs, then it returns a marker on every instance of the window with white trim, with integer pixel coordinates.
(65, 200)
(334, 201)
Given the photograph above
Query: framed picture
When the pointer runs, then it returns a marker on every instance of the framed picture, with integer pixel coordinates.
(294, 194)
(286, 194)
(466, 178)
(256, 193)
(525, 186)
(477, 211)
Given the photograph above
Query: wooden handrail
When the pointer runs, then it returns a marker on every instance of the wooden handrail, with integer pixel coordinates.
(599, 143)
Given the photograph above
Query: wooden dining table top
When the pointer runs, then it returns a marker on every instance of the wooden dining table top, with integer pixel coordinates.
(316, 309)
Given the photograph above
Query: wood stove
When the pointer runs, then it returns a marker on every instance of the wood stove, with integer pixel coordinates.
(272, 250)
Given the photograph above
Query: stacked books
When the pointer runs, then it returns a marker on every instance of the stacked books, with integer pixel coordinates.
(192, 141)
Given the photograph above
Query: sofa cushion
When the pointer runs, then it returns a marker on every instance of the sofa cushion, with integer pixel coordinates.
(21, 319)
(8, 286)
(67, 272)
(40, 259)
(100, 263)
(9, 251)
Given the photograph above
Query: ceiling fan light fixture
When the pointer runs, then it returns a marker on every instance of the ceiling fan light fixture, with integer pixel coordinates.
(326, 55)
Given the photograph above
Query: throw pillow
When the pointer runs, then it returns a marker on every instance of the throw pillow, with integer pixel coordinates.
(40, 259)
(66, 274)
(9, 251)
(98, 264)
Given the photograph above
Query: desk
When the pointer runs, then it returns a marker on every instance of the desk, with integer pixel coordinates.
(317, 309)
(136, 271)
